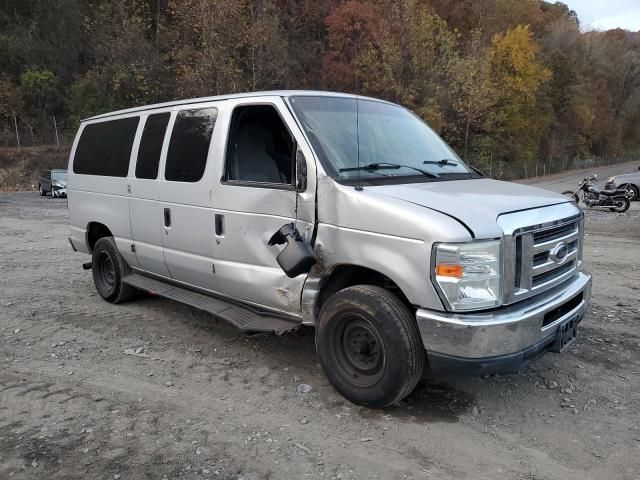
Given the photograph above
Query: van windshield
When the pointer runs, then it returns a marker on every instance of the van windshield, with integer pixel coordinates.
(367, 139)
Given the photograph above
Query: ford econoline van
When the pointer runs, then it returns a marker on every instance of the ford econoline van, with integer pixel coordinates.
(273, 210)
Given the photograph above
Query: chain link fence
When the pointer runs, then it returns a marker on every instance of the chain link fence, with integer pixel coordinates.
(18, 133)
(516, 170)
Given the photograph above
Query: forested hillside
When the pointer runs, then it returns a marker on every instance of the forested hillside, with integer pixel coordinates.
(509, 83)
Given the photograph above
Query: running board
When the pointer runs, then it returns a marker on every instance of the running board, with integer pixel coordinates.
(246, 319)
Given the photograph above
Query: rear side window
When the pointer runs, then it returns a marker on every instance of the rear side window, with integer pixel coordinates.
(151, 145)
(189, 144)
(105, 148)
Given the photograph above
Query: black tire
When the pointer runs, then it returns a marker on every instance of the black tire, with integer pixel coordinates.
(633, 192)
(622, 204)
(108, 269)
(369, 346)
(41, 190)
(574, 196)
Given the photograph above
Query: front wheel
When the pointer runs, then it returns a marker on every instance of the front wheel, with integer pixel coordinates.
(621, 204)
(574, 196)
(369, 346)
(108, 268)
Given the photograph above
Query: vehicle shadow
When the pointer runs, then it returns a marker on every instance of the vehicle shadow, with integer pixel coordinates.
(433, 400)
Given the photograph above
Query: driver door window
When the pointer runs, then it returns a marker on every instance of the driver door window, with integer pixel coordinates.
(260, 150)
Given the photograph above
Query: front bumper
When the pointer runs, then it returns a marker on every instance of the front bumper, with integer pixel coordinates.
(506, 339)
(60, 192)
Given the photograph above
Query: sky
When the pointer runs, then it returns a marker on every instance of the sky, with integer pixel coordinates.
(607, 14)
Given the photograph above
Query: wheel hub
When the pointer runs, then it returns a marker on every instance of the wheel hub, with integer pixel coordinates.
(106, 272)
(360, 351)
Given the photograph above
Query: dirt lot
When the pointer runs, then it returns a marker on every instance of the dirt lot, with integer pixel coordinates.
(203, 401)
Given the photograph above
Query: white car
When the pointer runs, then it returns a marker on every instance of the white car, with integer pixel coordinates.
(630, 181)
(273, 210)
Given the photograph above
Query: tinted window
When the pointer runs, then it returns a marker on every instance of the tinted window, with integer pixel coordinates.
(260, 147)
(105, 148)
(189, 145)
(151, 145)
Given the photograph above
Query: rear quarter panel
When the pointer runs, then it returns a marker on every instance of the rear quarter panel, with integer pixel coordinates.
(95, 198)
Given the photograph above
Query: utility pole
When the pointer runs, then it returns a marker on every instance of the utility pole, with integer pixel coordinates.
(491, 165)
(15, 122)
(55, 128)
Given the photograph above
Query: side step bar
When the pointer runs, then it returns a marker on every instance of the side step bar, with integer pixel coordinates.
(244, 318)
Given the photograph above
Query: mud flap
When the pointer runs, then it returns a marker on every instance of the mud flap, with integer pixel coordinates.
(298, 256)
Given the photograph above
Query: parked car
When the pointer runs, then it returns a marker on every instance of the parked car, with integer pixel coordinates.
(278, 209)
(630, 181)
(53, 182)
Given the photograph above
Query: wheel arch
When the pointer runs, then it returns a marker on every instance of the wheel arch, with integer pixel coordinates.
(96, 231)
(319, 287)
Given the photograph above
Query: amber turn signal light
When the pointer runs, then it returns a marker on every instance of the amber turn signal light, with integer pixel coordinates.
(450, 271)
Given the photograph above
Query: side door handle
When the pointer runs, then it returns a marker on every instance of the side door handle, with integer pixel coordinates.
(219, 221)
(167, 217)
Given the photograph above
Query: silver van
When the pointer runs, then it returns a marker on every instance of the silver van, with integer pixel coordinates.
(278, 209)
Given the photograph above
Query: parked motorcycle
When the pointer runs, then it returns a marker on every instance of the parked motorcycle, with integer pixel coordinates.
(592, 196)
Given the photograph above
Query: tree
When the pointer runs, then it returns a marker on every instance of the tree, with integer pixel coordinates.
(40, 90)
(518, 76)
(474, 93)
(356, 51)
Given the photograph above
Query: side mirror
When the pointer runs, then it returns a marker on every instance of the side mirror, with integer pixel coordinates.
(298, 256)
(301, 171)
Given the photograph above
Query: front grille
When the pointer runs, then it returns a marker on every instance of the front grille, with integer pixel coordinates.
(542, 249)
(553, 233)
(545, 277)
(546, 257)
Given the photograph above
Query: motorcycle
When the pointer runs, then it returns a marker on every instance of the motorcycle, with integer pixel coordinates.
(615, 200)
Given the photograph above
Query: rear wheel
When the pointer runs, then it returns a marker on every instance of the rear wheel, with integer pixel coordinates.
(41, 190)
(108, 269)
(369, 346)
(622, 204)
(574, 196)
(632, 192)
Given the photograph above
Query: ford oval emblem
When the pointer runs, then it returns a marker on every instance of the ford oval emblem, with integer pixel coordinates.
(558, 254)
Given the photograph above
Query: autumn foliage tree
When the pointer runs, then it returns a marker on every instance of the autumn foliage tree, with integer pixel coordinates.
(510, 84)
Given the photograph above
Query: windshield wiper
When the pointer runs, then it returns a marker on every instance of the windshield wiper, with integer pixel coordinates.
(444, 161)
(448, 162)
(388, 166)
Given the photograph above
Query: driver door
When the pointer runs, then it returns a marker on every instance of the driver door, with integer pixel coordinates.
(255, 196)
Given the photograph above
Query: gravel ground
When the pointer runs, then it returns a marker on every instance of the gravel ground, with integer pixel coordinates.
(200, 400)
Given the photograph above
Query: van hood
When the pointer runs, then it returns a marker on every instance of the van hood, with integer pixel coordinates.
(474, 203)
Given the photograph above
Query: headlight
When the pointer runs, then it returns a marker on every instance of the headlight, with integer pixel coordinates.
(468, 274)
(611, 180)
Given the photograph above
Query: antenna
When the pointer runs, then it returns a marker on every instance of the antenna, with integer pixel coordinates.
(359, 186)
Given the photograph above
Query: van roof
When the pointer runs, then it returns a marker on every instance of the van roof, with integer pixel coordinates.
(268, 93)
